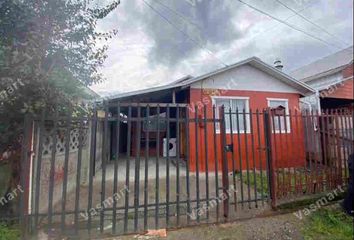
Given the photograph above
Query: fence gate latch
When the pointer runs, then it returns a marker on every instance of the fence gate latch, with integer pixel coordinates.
(229, 148)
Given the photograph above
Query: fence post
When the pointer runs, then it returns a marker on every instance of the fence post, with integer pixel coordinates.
(24, 177)
(270, 163)
(225, 177)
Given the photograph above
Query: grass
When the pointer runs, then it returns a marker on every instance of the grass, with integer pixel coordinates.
(9, 232)
(257, 180)
(328, 223)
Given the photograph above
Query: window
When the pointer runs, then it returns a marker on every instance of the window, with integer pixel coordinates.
(239, 122)
(280, 124)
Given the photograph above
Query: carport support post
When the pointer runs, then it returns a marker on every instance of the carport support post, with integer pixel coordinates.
(225, 178)
(270, 162)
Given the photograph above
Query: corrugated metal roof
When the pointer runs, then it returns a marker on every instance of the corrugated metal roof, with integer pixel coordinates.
(324, 66)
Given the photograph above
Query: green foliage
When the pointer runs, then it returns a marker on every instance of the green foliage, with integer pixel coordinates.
(9, 233)
(329, 224)
(50, 51)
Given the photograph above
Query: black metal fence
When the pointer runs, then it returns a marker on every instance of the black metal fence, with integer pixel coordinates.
(128, 168)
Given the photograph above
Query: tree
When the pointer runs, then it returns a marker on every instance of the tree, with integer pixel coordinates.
(49, 49)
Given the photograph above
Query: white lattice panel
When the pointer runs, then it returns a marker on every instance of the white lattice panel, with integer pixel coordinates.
(48, 138)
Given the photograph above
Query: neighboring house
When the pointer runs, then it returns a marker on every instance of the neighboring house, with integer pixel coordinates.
(249, 84)
(332, 78)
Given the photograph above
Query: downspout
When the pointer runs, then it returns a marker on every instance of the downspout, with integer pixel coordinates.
(318, 102)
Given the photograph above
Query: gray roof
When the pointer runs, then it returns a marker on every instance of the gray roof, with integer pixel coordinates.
(254, 61)
(324, 66)
(171, 85)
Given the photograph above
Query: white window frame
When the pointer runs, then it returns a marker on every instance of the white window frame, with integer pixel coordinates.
(247, 110)
(286, 114)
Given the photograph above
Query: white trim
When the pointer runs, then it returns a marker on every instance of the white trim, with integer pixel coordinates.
(286, 113)
(247, 110)
(230, 97)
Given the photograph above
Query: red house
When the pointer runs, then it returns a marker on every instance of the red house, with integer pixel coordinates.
(245, 89)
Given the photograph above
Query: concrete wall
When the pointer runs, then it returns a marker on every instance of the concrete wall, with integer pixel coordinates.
(45, 173)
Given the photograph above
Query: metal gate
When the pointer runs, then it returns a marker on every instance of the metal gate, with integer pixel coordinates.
(128, 168)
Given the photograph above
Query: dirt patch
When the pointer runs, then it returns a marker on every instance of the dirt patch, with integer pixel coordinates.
(280, 227)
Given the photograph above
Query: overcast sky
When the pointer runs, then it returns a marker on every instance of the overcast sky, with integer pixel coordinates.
(206, 34)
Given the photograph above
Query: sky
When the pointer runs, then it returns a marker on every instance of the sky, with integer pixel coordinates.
(160, 41)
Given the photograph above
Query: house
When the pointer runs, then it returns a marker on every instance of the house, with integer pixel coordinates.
(332, 78)
(243, 88)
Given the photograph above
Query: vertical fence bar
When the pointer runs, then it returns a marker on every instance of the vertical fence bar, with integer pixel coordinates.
(188, 165)
(253, 158)
(333, 150)
(233, 159)
(268, 117)
(157, 183)
(287, 131)
(275, 156)
(66, 167)
(177, 164)
(304, 123)
(91, 168)
(344, 139)
(318, 156)
(137, 170)
(330, 158)
(78, 177)
(24, 166)
(260, 154)
(39, 169)
(299, 134)
(314, 143)
(216, 164)
(146, 178)
(323, 151)
(349, 120)
(240, 154)
(247, 157)
(168, 168)
(115, 177)
(52, 168)
(281, 155)
(104, 165)
(292, 159)
(127, 166)
(225, 171)
(196, 118)
(311, 153)
(348, 136)
(206, 159)
(338, 145)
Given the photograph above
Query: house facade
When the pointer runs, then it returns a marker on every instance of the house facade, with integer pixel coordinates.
(332, 78)
(244, 89)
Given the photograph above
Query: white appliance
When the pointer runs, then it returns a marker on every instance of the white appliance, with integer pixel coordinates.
(170, 147)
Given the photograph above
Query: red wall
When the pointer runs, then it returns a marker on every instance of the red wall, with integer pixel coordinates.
(288, 150)
(345, 90)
